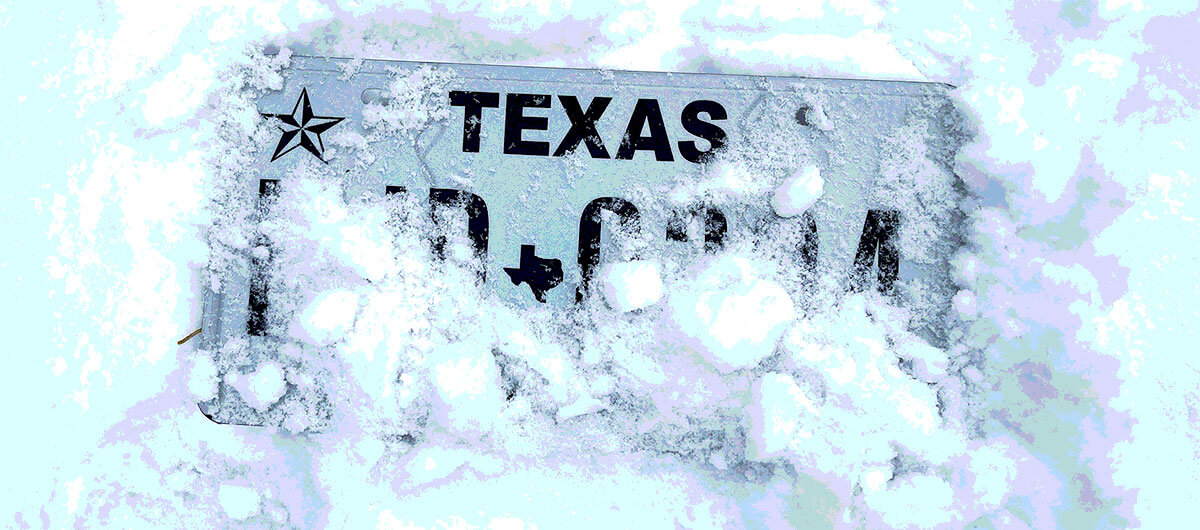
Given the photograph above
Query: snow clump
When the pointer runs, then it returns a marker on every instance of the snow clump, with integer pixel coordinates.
(239, 502)
(798, 192)
(262, 387)
(728, 314)
(631, 285)
(327, 318)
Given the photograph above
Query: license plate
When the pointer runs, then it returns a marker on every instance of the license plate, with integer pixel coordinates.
(553, 172)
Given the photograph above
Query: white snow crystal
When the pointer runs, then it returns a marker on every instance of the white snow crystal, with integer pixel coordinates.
(582, 406)
(777, 411)
(819, 118)
(631, 285)
(729, 315)
(797, 193)
(725, 180)
(929, 363)
(202, 381)
(987, 473)
(239, 502)
(431, 463)
(327, 318)
(920, 501)
(875, 479)
(966, 305)
(466, 387)
(262, 387)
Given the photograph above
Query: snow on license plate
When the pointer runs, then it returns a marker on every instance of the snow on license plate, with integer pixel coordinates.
(539, 177)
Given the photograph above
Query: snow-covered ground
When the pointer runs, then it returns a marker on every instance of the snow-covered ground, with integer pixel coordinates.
(1062, 398)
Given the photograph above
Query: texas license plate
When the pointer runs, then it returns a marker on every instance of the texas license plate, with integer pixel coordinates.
(549, 173)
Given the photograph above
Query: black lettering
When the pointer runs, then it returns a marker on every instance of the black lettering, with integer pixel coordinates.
(589, 235)
(646, 112)
(516, 121)
(583, 126)
(715, 227)
(690, 119)
(473, 104)
(877, 244)
(477, 222)
(811, 246)
(256, 322)
(807, 245)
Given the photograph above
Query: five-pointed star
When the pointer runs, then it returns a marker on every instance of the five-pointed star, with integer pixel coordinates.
(303, 127)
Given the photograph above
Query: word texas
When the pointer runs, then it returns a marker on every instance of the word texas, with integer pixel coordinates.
(696, 118)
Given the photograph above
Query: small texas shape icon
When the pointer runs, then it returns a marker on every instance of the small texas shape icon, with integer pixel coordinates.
(540, 273)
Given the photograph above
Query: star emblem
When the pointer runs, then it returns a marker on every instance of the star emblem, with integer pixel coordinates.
(302, 129)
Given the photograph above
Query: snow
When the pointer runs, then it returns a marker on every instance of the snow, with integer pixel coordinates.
(778, 413)
(585, 405)
(631, 285)
(433, 463)
(262, 387)
(728, 315)
(466, 387)
(1054, 400)
(796, 194)
(327, 318)
(239, 502)
(926, 499)
(202, 379)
